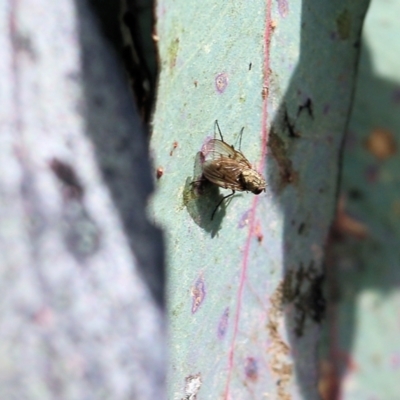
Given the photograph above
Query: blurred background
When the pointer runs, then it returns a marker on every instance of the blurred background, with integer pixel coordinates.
(361, 342)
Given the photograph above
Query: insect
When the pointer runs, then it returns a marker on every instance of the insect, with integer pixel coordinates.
(229, 168)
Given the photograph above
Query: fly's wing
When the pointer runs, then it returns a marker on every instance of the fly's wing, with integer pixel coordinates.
(224, 172)
(216, 149)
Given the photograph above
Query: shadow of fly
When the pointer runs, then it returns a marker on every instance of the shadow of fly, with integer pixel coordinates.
(228, 168)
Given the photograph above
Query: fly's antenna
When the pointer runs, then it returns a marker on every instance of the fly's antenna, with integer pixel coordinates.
(219, 130)
(240, 139)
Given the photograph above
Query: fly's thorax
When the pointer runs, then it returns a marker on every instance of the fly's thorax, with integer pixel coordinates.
(253, 181)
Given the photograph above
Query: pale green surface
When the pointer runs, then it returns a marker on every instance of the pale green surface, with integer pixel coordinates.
(366, 321)
(198, 41)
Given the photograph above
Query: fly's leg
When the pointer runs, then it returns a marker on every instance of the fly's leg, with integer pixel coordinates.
(220, 202)
(219, 130)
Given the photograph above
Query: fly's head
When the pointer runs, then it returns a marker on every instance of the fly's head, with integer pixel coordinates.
(253, 181)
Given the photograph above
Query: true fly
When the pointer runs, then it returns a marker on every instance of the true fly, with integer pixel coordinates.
(229, 168)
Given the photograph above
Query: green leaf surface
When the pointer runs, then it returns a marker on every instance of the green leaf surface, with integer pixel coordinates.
(244, 290)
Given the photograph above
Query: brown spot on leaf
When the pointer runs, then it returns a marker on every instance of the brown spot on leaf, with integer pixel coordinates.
(279, 351)
(258, 233)
(329, 381)
(381, 144)
(345, 225)
(264, 92)
(174, 146)
(159, 172)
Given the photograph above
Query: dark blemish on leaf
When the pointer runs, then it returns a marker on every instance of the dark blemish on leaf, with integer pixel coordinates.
(251, 368)
(355, 194)
(333, 36)
(250, 65)
(192, 386)
(221, 82)
(258, 233)
(301, 228)
(315, 300)
(303, 289)
(290, 126)
(223, 324)
(73, 76)
(173, 50)
(372, 173)
(23, 43)
(396, 95)
(109, 172)
(279, 151)
(195, 83)
(123, 144)
(159, 172)
(343, 24)
(65, 173)
(308, 105)
(81, 233)
(98, 100)
(198, 293)
(174, 146)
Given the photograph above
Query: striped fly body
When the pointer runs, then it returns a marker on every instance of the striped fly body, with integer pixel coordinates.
(228, 168)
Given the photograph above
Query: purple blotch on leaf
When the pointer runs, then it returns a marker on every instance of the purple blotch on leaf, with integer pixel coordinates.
(223, 324)
(251, 368)
(221, 82)
(244, 220)
(198, 293)
(283, 7)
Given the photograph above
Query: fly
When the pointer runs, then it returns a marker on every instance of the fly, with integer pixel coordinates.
(229, 168)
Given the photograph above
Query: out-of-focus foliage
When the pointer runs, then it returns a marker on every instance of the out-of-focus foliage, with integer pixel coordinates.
(362, 350)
